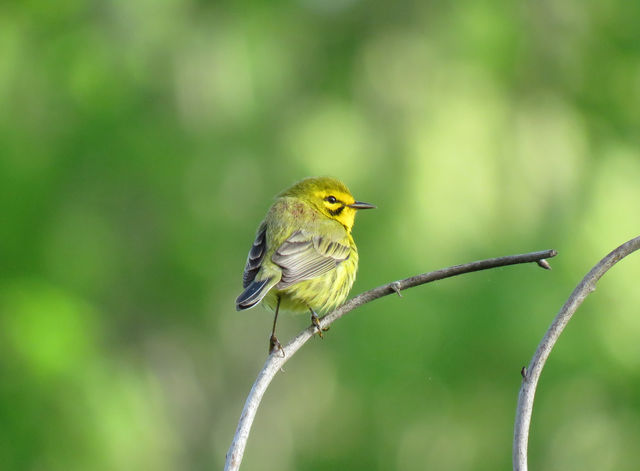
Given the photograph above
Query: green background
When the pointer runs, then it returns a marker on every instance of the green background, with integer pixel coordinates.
(141, 143)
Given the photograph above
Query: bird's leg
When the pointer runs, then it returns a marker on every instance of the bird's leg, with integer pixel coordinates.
(274, 344)
(315, 320)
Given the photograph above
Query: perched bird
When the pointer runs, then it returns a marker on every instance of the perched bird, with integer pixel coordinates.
(304, 257)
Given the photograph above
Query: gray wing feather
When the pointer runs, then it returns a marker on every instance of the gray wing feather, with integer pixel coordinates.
(256, 255)
(304, 256)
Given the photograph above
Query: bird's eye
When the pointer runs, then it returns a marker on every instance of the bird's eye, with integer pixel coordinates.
(331, 199)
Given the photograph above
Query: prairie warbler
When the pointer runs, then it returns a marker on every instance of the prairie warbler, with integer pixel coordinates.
(304, 257)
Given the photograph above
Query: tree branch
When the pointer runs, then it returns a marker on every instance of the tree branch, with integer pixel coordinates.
(532, 373)
(277, 359)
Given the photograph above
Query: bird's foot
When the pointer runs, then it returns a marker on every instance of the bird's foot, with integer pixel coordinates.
(315, 320)
(274, 345)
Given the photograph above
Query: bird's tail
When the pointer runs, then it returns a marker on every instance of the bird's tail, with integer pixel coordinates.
(254, 293)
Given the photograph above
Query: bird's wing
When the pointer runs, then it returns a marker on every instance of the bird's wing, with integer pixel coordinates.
(304, 256)
(255, 257)
(255, 290)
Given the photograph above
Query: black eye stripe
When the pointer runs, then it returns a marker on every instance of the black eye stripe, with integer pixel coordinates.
(335, 212)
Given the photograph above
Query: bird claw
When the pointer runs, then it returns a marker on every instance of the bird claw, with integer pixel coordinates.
(315, 320)
(274, 344)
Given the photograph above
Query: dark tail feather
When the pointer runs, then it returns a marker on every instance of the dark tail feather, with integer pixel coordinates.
(252, 295)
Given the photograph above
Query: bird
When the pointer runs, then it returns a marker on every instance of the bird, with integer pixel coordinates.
(303, 258)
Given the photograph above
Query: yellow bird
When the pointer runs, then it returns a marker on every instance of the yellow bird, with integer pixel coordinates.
(303, 257)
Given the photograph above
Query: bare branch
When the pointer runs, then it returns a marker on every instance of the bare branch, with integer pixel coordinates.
(531, 374)
(276, 360)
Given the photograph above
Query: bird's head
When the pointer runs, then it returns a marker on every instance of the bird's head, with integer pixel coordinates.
(330, 197)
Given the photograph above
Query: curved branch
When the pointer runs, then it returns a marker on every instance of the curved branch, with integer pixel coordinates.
(532, 373)
(277, 359)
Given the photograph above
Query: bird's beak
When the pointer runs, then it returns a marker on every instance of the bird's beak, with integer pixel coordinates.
(361, 205)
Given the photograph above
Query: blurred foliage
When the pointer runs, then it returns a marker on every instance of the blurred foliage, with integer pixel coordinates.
(142, 143)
